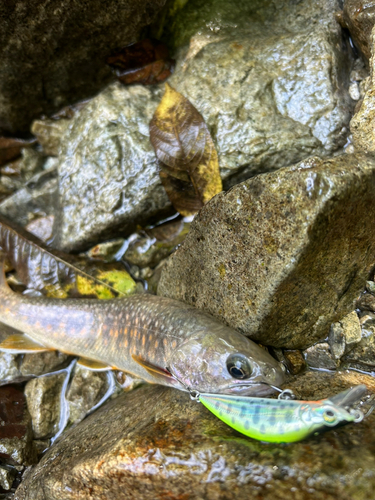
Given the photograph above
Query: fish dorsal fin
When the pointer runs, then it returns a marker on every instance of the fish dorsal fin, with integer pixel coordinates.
(154, 370)
(18, 343)
(96, 366)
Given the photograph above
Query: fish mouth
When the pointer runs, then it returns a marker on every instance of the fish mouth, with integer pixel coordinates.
(257, 388)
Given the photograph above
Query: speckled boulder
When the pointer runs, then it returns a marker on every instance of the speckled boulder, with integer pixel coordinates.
(283, 255)
(270, 78)
(155, 443)
(108, 174)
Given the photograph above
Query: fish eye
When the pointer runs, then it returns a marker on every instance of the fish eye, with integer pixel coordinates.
(238, 366)
(329, 416)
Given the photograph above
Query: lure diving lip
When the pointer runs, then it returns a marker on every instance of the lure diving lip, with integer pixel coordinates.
(280, 420)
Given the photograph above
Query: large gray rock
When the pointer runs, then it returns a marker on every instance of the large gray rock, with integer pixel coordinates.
(270, 78)
(283, 255)
(108, 175)
(156, 443)
(53, 53)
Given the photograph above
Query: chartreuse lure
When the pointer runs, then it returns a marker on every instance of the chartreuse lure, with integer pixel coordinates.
(283, 420)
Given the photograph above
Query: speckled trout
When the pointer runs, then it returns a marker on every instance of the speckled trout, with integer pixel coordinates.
(150, 337)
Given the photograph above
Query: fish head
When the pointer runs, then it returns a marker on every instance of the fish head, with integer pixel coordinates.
(225, 362)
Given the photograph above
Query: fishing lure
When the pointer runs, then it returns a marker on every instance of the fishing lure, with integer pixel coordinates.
(283, 420)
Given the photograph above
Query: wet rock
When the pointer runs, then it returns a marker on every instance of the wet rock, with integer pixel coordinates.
(9, 370)
(49, 134)
(44, 402)
(15, 174)
(294, 361)
(175, 448)
(370, 287)
(281, 256)
(7, 476)
(270, 78)
(366, 302)
(362, 123)
(108, 251)
(87, 388)
(359, 17)
(285, 97)
(16, 444)
(336, 340)
(41, 227)
(52, 55)
(352, 330)
(319, 356)
(37, 198)
(43, 362)
(344, 335)
(154, 245)
(362, 355)
(108, 175)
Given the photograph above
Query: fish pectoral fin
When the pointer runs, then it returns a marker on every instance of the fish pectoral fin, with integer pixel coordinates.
(18, 343)
(154, 370)
(96, 366)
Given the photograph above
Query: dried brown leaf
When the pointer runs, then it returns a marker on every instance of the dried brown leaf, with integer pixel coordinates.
(186, 153)
(145, 62)
(60, 275)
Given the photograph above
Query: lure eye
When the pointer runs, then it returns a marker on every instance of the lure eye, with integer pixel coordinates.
(329, 416)
(238, 366)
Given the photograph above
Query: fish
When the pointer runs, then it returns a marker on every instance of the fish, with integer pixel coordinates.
(153, 338)
(283, 421)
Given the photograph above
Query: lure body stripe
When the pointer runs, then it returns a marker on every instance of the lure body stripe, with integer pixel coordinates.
(275, 420)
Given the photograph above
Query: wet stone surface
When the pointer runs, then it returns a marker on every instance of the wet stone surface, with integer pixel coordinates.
(44, 400)
(320, 356)
(7, 477)
(359, 17)
(108, 175)
(295, 104)
(344, 335)
(16, 445)
(175, 448)
(260, 74)
(281, 256)
(37, 198)
(43, 362)
(362, 356)
(86, 389)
